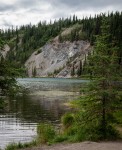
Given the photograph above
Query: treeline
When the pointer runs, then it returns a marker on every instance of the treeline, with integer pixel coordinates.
(25, 40)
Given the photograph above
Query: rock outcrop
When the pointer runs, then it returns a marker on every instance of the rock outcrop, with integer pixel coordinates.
(56, 59)
(5, 50)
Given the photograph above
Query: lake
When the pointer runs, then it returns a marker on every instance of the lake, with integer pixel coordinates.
(42, 100)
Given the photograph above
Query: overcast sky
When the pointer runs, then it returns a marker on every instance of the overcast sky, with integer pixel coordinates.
(19, 12)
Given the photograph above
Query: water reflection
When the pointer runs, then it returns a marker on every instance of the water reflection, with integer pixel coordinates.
(45, 102)
(13, 129)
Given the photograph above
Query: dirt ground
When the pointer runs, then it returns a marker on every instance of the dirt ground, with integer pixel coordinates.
(82, 146)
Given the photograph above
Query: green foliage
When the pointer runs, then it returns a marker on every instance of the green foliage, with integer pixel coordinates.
(60, 138)
(14, 146)
(34, 72)
(30, 38)
(81, 131)
(67, 120)
(118, 116)
(101, 98)
(60, 38)
(7, 78)
(56, 71)
(2, 104)
(79, 70)
(8, 85)
(73, 70)
(11, 147)
(101, 103)
(39, 51)
(50, 74)
(46, 133)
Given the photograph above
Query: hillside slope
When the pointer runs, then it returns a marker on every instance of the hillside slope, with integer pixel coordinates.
(57, 59)
(5, 50)
(53, 49)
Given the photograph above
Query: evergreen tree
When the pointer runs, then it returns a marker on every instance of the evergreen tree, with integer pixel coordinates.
(73, 70)
(79, 71)
(60, 38)
(102, 98)
(32, 37)
(7, 77)
(34, 72)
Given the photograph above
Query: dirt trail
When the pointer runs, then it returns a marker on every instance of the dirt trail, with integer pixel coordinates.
(82, 146)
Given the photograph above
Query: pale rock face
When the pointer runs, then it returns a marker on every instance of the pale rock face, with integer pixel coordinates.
(55, 56)
(5, 50)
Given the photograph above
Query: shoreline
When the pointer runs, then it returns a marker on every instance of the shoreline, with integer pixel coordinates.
(87, 145)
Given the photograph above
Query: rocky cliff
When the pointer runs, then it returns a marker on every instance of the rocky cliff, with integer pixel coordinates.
(5, 50)
(57, 59)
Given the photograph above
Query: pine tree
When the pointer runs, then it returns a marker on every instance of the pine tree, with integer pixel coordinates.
(60, 38)
(102, 98)
(34, 72)
(73, 70)
(7, 77)
(79, 71)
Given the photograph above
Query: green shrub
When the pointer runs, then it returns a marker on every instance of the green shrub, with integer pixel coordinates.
(11, 146)
(93, 133)
(2, 104)
(20, 145)
(45, 132)
(67, 120)
(15, 146)
(39, 51)
(111, 133)
(60, 138)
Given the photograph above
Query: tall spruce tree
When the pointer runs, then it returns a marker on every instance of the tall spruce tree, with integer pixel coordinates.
(73, 70)
(79, 71)
(7, 75)
(7, 78)
(102, 97)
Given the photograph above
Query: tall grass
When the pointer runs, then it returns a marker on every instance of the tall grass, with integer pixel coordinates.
(15, 146)
(72, 130)
(46, 133)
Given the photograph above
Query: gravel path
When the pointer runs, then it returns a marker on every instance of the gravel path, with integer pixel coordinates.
(82, 146)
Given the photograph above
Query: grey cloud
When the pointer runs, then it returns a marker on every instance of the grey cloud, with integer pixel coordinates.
(71, 4)
(6, 8)
(57, 9)
(60, 14)
(84, 4)
(36, 10)
(63, 12)
(27, 3)
(63, 8)
(6, 23)
(18, 5)
(67, 7)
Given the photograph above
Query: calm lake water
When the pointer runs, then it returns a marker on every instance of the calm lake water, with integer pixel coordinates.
(45, 102)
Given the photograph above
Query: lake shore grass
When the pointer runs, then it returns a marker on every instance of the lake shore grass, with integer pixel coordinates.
(48, 136)
(15, 146)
